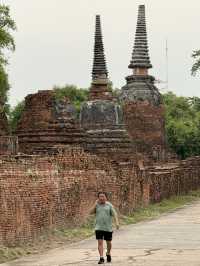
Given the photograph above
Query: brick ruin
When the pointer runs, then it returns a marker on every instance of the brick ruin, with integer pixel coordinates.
(115, 146)
(47, 122)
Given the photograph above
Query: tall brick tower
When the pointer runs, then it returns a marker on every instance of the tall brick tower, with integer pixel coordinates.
(101, 115)
(142, 102)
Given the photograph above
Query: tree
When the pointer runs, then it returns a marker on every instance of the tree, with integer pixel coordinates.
(183, 124)
(7, 24)
(77, 96)
(195, 103)
(196, 65)
(15, 115)
(4, 85)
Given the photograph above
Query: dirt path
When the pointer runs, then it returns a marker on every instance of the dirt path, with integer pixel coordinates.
(171, 240)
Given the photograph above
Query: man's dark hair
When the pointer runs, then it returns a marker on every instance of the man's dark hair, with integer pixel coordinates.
(101, 192)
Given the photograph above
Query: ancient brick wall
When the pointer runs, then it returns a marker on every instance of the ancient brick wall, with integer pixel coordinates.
(174, 179)
(39, 193)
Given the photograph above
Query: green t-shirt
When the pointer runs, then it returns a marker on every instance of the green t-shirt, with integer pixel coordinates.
(104, 214)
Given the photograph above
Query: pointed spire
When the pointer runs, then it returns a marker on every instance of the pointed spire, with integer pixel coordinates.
(140, 55)
(99, 72)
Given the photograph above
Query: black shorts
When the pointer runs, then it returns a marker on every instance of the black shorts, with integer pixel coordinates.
(103, 235)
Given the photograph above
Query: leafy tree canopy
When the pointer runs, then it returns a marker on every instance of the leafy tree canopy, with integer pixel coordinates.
(15, 115)
(7, 25)
(77, 96)
(183, 124)
(196, 66)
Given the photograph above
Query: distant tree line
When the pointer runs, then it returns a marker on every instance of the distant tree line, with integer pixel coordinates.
(183, 124)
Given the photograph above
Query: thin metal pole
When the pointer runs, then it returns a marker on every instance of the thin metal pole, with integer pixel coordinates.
(167, 65)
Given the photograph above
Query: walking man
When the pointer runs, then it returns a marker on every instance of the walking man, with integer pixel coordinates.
(104, 212)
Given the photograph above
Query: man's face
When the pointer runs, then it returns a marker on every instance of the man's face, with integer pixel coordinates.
(102, 198)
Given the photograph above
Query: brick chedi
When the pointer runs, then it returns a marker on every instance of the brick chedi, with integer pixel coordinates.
(101, 116)
(48, 123)
(143, 108)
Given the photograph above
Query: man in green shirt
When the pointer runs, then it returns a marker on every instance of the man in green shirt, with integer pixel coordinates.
(104, 212)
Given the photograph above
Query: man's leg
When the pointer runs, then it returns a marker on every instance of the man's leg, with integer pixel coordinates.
(109, 247)
(108, 239)
(100, 247)
(99, 237)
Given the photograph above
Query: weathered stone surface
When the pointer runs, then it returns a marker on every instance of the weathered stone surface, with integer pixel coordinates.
(141, 88)
(105, 132)
(100, 113)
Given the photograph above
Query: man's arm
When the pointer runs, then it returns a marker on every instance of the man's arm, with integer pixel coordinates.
(115, 215)
(116, 220)
(93, 208)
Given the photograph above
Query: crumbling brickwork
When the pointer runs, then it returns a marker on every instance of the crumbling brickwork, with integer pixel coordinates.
(47, 121)
(174, 179)
(146, 126)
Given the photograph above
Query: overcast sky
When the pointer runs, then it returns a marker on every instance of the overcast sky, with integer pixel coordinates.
(54, 42)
